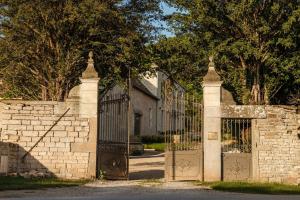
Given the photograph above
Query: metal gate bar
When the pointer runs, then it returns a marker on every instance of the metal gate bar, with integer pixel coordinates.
(236, 149)
(113, 139)
(236, 135)
(182, 126)
(182, 123)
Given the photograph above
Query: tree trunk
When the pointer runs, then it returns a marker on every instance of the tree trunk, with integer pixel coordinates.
(266, 96)
(45, 95)
(255, 94)
(59, 89)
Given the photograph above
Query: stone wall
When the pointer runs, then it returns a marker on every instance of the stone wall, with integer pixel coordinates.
(64, 152)
(8, 158)
(278, 145)
(275, 141)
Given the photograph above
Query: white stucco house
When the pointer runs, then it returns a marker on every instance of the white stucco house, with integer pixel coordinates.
(146, 101)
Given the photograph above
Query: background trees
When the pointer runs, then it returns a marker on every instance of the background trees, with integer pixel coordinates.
(44, 43)
(183, 60)
(255, 43)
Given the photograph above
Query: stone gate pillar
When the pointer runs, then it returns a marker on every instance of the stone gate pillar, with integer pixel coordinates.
(212, 124)
(89, 90)
(88, 108)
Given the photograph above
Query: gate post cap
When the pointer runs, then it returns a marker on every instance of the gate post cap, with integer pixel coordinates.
(90, 72)
(211, 75)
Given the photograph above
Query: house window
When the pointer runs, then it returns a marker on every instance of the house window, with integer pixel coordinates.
(150, 117)
(137, 124)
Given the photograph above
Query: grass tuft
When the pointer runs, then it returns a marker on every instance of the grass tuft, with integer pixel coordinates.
(20, 183)
(256, 188)
(156, 146)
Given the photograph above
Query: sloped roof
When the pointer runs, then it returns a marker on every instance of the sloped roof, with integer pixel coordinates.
(136, 83)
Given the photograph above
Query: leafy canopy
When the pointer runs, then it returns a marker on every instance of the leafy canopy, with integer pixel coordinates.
(44, 43)
(255, 44)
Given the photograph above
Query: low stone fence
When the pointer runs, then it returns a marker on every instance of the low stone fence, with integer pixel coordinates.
(63, 152)
(278, 145)
(275, 141)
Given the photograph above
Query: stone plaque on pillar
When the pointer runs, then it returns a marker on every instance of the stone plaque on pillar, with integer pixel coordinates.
(213, 136)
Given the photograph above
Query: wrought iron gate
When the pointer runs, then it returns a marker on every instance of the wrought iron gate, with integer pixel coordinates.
(182, 125)
(113, 139)
(236, 149)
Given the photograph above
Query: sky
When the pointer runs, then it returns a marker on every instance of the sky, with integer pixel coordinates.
(167, 10)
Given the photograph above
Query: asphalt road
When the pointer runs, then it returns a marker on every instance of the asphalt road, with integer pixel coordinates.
(135, 192)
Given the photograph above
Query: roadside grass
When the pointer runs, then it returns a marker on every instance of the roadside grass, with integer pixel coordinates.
(156, 146)
(20, 183)
(256, 188)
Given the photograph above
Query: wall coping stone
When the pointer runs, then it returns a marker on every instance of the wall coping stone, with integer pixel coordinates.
(250, 111)
(243, 111)
(29, 102)
(212, 84)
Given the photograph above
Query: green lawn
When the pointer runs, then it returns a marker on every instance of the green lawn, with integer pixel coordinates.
(258, 188)
(156, 146)
(18, 183)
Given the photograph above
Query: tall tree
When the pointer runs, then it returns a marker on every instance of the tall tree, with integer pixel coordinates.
(44, 43)
(181, 59)
(255, 42)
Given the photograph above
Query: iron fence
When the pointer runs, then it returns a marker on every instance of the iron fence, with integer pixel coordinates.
(182, 122)
(113, 119)
(236, 135)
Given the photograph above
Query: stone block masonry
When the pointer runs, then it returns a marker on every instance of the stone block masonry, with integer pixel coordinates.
(8, 158)
(60, 152)
(278, 145)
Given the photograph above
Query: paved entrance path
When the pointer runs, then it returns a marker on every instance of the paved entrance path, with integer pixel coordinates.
(148, 166)
(136, 190)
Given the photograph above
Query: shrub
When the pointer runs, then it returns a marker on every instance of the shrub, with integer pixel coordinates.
(152, 139)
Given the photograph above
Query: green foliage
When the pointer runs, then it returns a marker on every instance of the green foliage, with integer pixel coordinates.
(152, 139)
(156, 146)
(183, 62)
(44, 43)
(101, 175)
(255, 44)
